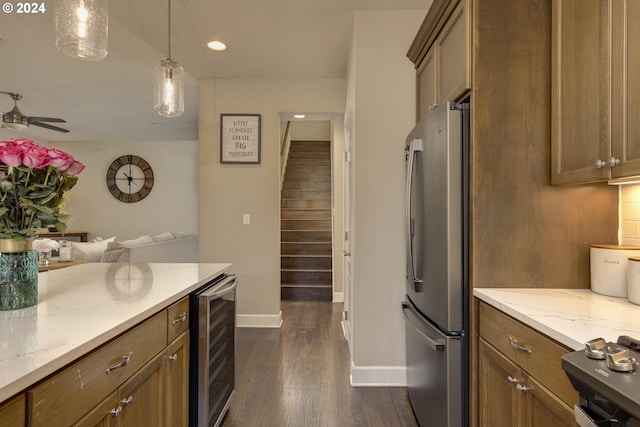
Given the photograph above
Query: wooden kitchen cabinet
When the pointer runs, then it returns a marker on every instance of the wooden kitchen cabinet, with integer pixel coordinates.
(595, 58)
(147, 382)
(444, 73)
(177, 382)
(520, 379)
(12, 412)
(511, 398)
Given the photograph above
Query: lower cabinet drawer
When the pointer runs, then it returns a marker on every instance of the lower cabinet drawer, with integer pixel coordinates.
(12, 412)
(71, 393)
(536, 354)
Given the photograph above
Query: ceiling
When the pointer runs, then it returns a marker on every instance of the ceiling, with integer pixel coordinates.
(112, 99)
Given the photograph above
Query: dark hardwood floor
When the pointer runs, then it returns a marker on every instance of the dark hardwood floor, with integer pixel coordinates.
(299, 376)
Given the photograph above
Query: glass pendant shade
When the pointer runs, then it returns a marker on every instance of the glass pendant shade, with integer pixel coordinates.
(82, 28)
(168, 89)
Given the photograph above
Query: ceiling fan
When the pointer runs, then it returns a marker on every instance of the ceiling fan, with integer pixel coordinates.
(15, 120)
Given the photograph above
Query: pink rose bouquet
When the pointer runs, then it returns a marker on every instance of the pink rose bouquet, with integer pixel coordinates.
(33, 181)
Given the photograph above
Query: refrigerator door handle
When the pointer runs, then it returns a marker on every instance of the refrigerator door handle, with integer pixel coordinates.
(414, 146)
(433, 345)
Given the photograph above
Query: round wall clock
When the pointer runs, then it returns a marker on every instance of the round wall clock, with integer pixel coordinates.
(130, 178)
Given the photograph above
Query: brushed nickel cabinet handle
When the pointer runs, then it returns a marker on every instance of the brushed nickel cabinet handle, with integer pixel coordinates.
(127, 401)
(123, 362)
(514, 344)
(115, 413)
(522, 389)
(512, 380)
(173, 357)
(179, 319)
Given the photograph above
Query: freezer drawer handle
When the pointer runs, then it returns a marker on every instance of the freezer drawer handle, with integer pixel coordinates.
(433, 345)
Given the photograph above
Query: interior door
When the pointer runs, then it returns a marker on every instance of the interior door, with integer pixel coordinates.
(346, 206)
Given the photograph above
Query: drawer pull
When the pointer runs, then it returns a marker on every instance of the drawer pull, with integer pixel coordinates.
(512, 380)
(516, 346)
(115, 413)
(179, 319)
(522, 389)
(127, 401)
(173, 357)
(124, 362)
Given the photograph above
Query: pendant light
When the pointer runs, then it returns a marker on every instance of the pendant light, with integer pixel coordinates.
(168, 84)
(82, 28)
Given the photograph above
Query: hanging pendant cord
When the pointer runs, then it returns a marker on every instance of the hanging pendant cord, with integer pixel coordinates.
(169, 32)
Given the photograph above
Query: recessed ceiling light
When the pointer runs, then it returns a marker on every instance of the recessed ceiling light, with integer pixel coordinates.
(299, 116)
(216, 45)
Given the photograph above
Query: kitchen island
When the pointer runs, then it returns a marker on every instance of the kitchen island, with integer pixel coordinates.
(569, 316)
(84, 307)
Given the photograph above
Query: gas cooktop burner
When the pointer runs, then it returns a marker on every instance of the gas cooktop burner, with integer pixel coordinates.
(606, 378)
(618, 356)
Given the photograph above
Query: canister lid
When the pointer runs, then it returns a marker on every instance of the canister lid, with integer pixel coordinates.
(617, 247)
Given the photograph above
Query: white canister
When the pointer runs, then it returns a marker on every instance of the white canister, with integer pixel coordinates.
(633, 280)
(609, 268)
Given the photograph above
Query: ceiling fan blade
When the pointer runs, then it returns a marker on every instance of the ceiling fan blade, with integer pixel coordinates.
(45, 119)
(46, 126)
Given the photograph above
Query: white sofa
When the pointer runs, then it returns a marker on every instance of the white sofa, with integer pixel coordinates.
(170, 246)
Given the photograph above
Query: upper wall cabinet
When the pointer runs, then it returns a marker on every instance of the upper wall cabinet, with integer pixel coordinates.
(442, 49)
(595, 60)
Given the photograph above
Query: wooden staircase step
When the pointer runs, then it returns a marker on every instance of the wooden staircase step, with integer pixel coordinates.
(307, 277)
(301, 236)
(305, 224)
(305, 213)
(306, 262)
(308, 195)
(305, 204)
(306, 186)
(305, 248)
(306, 177)
(308, 155)
(311, 144)
(315, 167)
(306, 293)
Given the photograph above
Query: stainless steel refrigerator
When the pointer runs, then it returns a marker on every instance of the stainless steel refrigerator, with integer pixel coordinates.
(436, 305)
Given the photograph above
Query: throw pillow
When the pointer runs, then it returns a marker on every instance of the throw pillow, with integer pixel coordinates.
(90, 251)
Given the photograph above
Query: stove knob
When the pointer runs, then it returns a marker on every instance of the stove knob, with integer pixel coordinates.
(595, 349)
(621, 361)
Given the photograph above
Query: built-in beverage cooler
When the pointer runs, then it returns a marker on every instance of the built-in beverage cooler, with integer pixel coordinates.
(212, 351)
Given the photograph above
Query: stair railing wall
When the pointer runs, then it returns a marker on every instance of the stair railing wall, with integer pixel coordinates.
(284, 151)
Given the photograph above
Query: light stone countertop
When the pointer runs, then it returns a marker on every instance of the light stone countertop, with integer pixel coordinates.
(570, 316)
(81, 307)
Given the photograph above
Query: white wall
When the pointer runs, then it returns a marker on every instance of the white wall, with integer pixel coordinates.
(171, 205)
(316, 130)
(227, 191)
(381, 100)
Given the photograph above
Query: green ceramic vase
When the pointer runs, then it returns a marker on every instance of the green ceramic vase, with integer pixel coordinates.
(18, 276)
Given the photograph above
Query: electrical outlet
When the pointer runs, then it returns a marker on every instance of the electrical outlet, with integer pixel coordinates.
(246, 219)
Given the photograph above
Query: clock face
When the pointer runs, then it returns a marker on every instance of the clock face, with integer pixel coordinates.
(130, 178)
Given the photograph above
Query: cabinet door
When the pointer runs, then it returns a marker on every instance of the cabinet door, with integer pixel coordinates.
(544, 409)
(177, 384)
(498, 400)
(454, 53)
(106, 414)
(12, 412)
(626, 87)
(142, 396)
(428, 93)
(581, 91)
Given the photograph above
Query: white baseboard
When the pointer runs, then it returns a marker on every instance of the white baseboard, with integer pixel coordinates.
(259, 320)
(338, 297)
(378, 376)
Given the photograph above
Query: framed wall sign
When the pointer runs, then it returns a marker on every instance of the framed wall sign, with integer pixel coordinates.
(239, 138)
